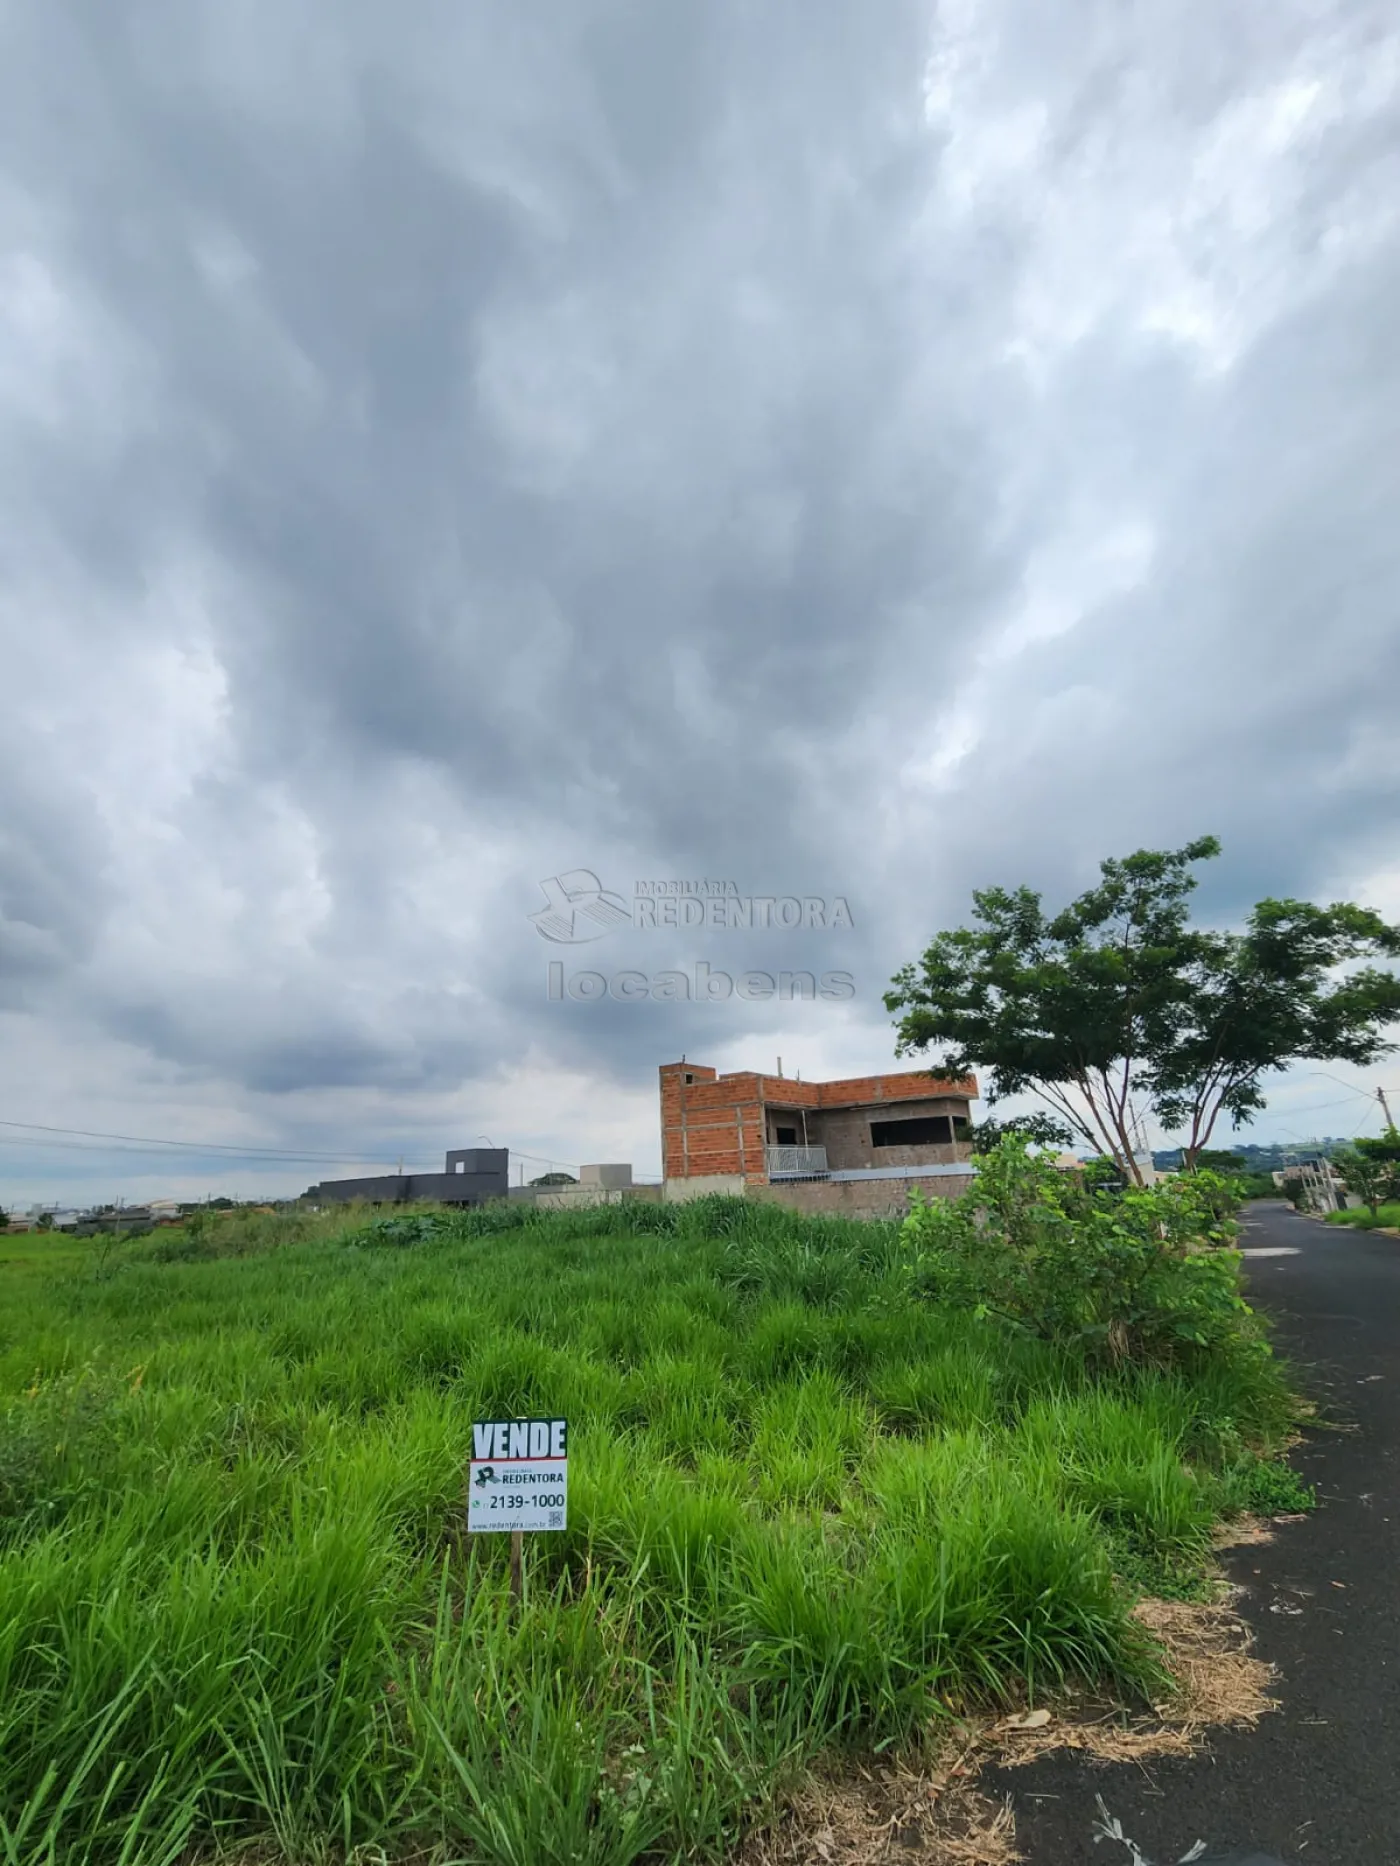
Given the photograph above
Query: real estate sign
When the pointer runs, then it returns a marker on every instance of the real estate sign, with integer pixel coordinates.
(519, 1475)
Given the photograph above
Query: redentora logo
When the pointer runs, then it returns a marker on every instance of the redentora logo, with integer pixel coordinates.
(577, 908)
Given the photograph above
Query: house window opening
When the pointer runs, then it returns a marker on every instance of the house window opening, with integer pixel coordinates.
(933, 1130)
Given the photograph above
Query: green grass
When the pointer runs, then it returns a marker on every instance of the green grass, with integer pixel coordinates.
(1388, 1218)
(40, 1252)
(237, 1609)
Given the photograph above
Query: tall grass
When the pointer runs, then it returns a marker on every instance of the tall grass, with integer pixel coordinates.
(1362, 1218)
(237, 1606)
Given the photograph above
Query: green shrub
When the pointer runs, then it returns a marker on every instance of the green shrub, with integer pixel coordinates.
(1258, 1186)
(1135, 1276)
(1272, 1488)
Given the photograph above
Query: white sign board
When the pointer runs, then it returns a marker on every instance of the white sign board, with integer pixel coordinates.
(519, 1475)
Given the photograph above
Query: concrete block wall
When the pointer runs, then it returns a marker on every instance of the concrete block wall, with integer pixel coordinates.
(731, 1185)
(570, 1198)
(845, 1133)
(857, 1198)
(612, 1176)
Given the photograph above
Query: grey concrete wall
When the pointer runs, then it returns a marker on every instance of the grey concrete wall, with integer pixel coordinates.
(858, 1198)
(678, 1190)
(611, 1175)
(478, 1160)
(845, 1133)
(466, 1188)
(569, 1198)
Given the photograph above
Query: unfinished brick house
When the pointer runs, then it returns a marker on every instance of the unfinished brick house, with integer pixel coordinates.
(858, 1145)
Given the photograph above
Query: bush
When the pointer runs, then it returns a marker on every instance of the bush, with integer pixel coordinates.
(1138, 1276)
(1269, 1487)
(1257, 1186)
(1370, 1170)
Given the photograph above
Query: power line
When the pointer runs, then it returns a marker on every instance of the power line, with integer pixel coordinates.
(1321, 1107)
(1350, 1087)
(192, 1146)
(151, 1145)
(1360, 1124)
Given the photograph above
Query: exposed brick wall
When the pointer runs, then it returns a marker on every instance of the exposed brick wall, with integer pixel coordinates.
(710, 1125)
(717, 1124)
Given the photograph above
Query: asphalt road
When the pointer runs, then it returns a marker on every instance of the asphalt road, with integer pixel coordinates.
(1317, 1783)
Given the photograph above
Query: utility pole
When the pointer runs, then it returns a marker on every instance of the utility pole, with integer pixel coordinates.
(1385, 1109)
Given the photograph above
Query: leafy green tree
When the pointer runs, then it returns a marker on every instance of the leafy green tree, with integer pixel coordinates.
(1102, 1174)
(1257, 1186)
(1371, 1169)
(1219, 1160)
(1041, 1130)
(1271, 996)
(1117, 995)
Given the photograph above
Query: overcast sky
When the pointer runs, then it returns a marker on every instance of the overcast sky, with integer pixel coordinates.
(844, 450)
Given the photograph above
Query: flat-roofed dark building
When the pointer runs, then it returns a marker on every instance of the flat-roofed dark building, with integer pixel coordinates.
(472, 1175)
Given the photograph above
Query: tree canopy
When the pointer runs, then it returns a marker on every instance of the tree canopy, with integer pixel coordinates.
(1371, 1169)
(1116, 1000)
(1041, 1129)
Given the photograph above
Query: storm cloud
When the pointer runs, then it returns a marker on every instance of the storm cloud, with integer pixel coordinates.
(848, 452)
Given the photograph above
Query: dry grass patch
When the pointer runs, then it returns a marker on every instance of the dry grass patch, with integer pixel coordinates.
(1244, 1532)
(890, 1814)
(1218, 1683)
(940, 1816)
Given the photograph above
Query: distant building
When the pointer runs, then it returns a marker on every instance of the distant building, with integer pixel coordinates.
(604, 1184)
(858, 1146)
(471, 1176)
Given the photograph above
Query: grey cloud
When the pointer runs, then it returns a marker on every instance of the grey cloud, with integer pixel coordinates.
(52, 888)
(681, 441)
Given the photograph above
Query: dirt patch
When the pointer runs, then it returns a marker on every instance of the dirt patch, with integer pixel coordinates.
(1244, 1532)
(1218, 1683)
(888, 1815)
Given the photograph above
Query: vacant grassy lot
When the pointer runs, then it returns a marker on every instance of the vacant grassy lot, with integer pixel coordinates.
(43, 1252)
(806, 1507)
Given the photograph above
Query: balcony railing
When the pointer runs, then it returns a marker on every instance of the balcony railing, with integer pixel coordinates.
(797, 1162)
